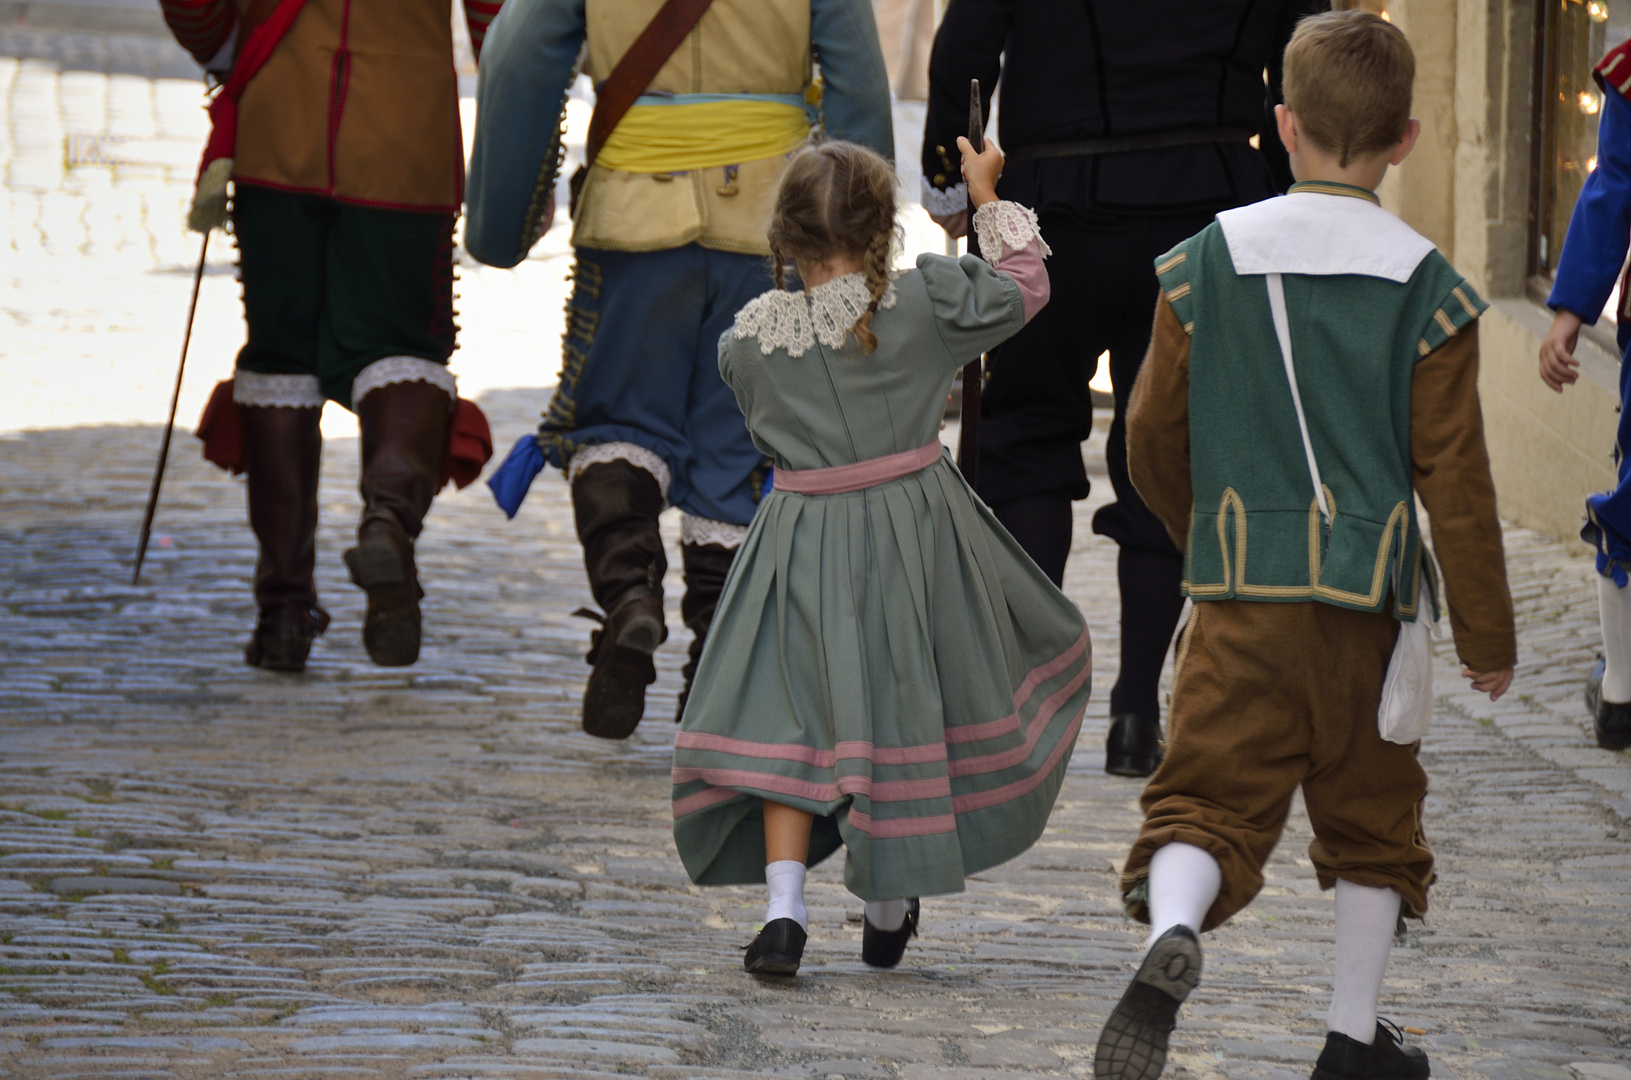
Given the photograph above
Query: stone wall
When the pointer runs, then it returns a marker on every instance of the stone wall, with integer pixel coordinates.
(1467, 187)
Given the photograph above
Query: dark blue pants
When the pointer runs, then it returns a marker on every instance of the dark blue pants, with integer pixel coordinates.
(640, 364)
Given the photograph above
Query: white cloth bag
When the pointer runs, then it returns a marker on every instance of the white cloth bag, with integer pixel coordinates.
(1406, 707)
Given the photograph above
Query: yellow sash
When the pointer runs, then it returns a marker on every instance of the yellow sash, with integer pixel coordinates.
(702, 135)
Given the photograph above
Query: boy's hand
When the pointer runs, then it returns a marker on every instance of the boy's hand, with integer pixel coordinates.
(981, 170)
(1558, 367)
(1493, 683)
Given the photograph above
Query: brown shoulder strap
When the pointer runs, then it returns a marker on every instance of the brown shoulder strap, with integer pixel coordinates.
(629, 79)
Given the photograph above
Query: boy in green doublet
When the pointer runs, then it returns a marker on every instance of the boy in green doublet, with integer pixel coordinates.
(1294, 503)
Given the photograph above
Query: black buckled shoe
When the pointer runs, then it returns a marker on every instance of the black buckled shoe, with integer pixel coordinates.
(1611, 721)
(1134, 746)
(884, 948)
(777, 950)
(1133, 1044)
(1389, 1057)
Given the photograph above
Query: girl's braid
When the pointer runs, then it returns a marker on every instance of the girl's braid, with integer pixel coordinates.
(876, 264)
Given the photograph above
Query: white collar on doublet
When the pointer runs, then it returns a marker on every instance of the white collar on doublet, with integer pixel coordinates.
(794, 321)
(1310, 233)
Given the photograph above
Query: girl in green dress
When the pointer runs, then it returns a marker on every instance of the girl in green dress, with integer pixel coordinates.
(887, 670)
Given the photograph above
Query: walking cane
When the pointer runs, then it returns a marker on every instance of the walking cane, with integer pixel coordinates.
(170, 424)
(968, 438)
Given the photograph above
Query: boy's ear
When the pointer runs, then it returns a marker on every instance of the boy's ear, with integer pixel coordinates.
(1412, 132)
(1286, 125)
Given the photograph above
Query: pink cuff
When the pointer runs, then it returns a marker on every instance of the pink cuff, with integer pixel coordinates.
(1011, 241)
(1025, 267)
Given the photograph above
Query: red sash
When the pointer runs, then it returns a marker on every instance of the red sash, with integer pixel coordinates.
(257, 49)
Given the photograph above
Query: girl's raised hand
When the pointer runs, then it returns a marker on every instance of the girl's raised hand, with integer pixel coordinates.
(980, 171)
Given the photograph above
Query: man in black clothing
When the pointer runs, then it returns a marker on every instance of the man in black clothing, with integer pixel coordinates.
(1126, 128)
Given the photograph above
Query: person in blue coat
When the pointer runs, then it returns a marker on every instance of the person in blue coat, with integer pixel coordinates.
(668, 227)
(1593, 253)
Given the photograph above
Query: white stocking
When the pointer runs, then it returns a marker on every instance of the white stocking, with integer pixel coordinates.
(1614, 608)
(1366, 918)
(786, 881)
(886, 914)
(1183, 883)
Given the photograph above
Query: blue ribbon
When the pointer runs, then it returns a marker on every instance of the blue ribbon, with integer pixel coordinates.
(510, 481)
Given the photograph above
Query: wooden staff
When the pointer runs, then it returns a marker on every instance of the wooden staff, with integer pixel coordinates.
(170, 424)
(968, 437)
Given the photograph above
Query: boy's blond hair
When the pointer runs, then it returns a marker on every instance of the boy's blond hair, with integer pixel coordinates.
(1348, 79)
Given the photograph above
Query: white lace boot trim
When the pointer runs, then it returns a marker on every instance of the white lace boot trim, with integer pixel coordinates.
(797, 320)
(945, 203)
(1003, 222)
(399, 369)
(275, 391)
(701, 530)
(634, 454)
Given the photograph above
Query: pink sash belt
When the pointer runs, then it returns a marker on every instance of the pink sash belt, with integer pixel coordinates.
(863, 474)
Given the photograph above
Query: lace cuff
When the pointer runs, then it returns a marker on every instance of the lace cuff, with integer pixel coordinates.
(940, 203)
(701, 530)
(275, 391)
(1007, 224)
(399, 369)
(636, 455)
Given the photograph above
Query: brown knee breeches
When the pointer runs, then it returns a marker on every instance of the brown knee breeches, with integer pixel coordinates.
(1269, 697)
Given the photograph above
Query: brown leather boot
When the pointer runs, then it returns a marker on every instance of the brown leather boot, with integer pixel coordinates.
(705, 568)
(616, 506)
(282, 451)
(404, 435)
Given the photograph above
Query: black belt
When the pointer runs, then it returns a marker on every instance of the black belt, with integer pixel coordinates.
(1125, 144)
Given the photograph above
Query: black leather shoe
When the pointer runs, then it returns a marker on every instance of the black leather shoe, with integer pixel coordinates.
(1133, 1044)
(777, 950)
(884, 948)
(1389, 1057)
(1611, 721)
(1134, 746)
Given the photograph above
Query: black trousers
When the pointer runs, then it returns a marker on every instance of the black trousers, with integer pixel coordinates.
(1037, 409)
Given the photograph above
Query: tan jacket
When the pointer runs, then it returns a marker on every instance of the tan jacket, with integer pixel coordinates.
(359, 102)
(739, 47)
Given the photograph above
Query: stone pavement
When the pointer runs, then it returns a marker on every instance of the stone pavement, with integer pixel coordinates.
(210, 871)
(206, 870)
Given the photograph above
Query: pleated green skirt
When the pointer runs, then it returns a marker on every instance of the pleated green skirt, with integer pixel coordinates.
(891, 661)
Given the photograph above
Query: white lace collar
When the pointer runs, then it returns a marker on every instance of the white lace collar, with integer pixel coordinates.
(796, 320)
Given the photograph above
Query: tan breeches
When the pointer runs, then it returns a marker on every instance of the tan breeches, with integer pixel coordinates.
(1270, 697)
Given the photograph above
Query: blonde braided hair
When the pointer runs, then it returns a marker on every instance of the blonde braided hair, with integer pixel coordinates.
(837, 198)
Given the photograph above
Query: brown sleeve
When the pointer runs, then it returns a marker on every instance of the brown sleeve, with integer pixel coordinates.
(1451, 467)
(1158, 426)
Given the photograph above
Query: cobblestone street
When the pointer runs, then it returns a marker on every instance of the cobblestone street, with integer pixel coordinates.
(211, 871)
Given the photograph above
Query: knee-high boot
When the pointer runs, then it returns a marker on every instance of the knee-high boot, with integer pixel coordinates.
(283, 448)
(616, 505)
(404, 437)
(705, 566)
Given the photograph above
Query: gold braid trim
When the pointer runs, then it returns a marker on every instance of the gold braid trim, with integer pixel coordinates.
(543, 192)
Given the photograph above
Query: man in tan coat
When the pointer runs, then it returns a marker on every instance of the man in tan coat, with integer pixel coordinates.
(348, 174)
(669, 236)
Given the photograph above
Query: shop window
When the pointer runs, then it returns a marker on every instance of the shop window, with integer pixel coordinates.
(1571, 37)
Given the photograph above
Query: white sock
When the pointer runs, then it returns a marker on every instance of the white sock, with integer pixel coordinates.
(1614, 608)
(1366, 918)
(786, 881)
(1183, 883)
(886, 914)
